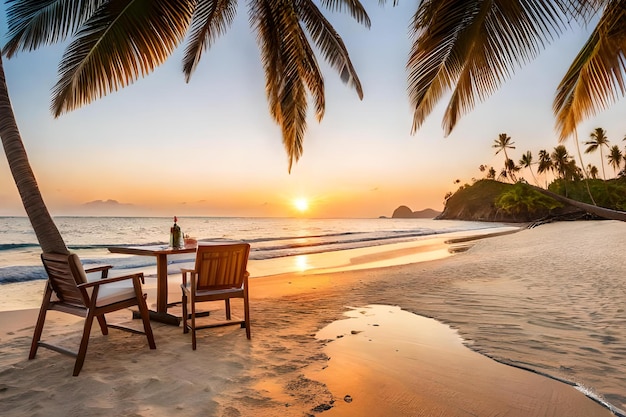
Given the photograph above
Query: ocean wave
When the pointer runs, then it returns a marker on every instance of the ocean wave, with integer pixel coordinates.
(17, 246)
(21, 274)
(269, 238)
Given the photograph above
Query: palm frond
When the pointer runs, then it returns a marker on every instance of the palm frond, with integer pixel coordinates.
(33, 23)
(212, 18)
(581, 10)
(283, 54)
(474, 46)
(312, 76)
(330, 44)
(354, 7)
(596, 77)
(120, 42)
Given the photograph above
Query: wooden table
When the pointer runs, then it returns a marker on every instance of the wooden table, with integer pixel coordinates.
(160, 252)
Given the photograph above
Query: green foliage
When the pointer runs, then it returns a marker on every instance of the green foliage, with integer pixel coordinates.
(521, 199)
(609, 194)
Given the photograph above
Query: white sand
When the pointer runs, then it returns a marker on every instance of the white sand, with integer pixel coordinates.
(394, 363)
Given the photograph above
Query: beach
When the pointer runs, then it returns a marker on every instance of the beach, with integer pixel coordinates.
(519, 324)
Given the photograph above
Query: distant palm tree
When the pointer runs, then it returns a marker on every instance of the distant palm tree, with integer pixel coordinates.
(512, 169)
(593, 171)
(615, 158)
(545, 163)
(598, 141)
(502, 144)
(561, 160)
(527, 162)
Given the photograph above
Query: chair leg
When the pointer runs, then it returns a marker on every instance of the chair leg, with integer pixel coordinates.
(246, 312)
(193, 323)
(145, 318)
(184, 302)
(82, 351)
(227, 302)
(41, 319)
(103, 324)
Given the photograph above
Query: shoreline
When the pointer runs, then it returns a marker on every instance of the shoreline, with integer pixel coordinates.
(27, 294)
(287, 310)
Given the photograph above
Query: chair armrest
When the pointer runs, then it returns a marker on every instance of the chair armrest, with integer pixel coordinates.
(103, 268)
(186, 271)
(110, 280)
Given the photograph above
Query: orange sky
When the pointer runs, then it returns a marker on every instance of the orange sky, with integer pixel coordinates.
(164, 147)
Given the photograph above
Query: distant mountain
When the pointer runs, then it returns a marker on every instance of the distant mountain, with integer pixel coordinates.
(403, 212)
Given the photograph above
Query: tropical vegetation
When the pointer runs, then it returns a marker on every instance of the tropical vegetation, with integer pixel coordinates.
(567, 178)
(525, 201)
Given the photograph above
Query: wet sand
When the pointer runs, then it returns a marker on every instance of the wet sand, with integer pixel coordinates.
(548, 299)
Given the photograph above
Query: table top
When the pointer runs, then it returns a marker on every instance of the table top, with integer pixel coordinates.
(151, 250)
(154, 250)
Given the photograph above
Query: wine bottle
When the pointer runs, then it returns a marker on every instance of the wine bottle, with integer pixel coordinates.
(176, 236)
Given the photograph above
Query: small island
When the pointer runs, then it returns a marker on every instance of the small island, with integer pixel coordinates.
(404, 212)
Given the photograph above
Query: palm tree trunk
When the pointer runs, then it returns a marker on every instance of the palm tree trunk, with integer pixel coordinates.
(602, 164)
(45, 229)
(601, 212)
(582, 165)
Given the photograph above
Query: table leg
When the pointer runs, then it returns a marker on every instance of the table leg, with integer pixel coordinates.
(161, 283)
(161, 315)
(165, 318)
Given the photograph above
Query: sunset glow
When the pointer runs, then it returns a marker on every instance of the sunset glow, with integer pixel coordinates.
(210, 148)
(301, 204)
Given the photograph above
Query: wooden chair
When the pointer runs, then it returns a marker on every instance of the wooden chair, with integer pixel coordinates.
(219, 274)
(68, 290)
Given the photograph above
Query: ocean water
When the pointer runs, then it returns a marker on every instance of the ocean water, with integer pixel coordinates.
(269, 238)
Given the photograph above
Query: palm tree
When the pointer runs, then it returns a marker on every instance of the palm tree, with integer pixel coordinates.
(526, 162)
(593, 171)
(545, 162)
(512, 169)
(472, 47)
(561, 160)
(47, 233)
(598, 141)
(615, 158)
(502, 144)
(113, 46)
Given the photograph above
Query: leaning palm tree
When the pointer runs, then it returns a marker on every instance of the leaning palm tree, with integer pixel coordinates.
(615, 158)
(598, 140)
(527, 162)
(114, 43)
(47, 233)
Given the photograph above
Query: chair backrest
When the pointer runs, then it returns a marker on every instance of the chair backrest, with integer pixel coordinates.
(221, 266)
(65, 272)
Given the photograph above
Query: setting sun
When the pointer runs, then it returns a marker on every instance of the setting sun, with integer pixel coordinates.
(301, 204)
